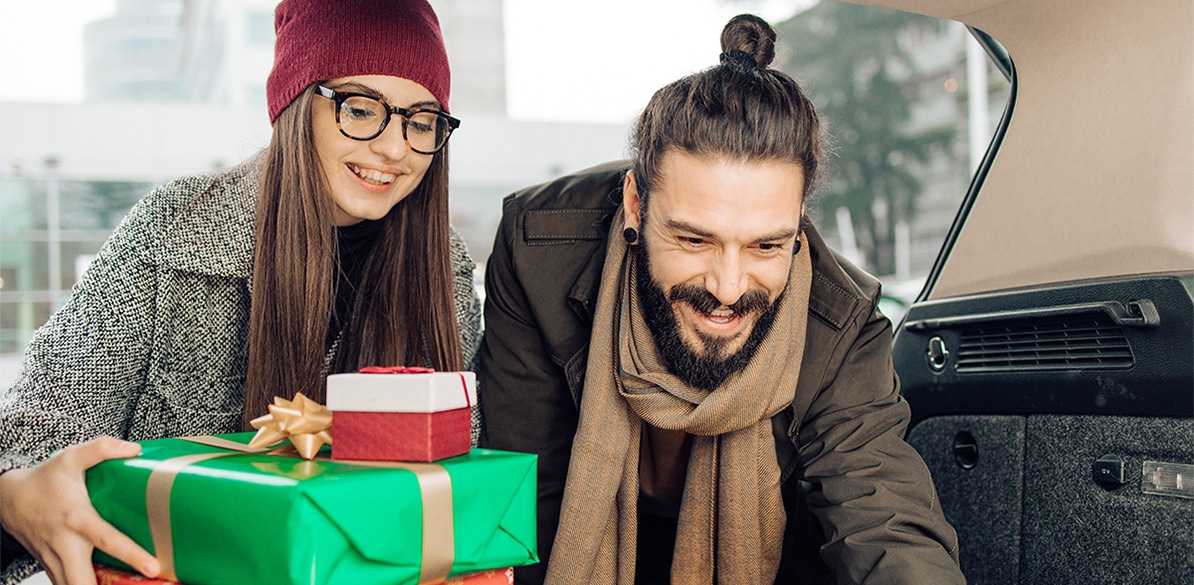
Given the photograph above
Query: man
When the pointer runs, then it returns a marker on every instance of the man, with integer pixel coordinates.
(681, 349)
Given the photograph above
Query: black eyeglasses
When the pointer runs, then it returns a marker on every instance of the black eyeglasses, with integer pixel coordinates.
(363, 117)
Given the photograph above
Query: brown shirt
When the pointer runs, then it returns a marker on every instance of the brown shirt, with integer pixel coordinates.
(662, 467)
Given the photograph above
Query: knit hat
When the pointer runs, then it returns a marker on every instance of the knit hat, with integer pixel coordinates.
(324, 39)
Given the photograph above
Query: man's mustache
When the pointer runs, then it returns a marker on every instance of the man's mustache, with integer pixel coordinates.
(704, 302)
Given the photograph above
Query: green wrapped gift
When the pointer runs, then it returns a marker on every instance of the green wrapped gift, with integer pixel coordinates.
(221, 516)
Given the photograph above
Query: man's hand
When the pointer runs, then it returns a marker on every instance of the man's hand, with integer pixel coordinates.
(46, 508)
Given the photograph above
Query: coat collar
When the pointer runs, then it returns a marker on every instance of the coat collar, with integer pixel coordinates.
(835, 295)
(214, 231)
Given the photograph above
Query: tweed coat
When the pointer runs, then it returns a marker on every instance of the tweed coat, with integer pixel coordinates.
(851, 485)
(152, 342)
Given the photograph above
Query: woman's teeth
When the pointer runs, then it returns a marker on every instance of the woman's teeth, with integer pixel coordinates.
(373, 176)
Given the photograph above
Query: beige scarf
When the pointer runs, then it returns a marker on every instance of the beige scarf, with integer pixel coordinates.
(731, 517)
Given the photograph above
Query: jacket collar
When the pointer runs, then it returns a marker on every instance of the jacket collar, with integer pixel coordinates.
(835, 296)
(214, 231)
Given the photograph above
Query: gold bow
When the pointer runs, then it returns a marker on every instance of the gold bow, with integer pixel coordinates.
(305, 422)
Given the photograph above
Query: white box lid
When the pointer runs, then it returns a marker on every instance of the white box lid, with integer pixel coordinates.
(422, 392)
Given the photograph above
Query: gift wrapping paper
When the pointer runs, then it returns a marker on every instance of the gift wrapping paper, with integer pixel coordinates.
(105, 575)
(235, 518)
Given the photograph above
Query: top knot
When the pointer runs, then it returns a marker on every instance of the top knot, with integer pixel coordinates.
(750, 35)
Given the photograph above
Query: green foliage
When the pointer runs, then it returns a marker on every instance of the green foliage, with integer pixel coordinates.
(854, 66)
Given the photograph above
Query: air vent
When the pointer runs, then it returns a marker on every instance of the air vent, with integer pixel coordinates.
(1076, 341)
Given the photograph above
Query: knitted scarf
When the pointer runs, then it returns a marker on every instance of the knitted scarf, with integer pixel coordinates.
(732, 519)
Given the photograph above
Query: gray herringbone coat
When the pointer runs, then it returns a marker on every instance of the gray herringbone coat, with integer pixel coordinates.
(152, 342)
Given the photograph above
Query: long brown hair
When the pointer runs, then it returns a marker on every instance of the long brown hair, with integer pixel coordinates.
(404, 312)
(739, 109)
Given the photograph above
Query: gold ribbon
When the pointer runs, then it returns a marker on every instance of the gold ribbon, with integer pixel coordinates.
(157, 507)
(435, 488)
(439, 537)
(305, 422)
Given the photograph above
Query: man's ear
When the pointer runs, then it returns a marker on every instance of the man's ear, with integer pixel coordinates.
(631, 203)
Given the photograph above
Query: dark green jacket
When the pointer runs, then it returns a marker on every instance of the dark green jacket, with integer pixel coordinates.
(843, 437)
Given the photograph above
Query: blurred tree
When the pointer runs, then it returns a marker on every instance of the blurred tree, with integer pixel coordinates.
(854, 64)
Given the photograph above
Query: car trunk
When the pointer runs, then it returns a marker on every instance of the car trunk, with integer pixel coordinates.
(1049, 361)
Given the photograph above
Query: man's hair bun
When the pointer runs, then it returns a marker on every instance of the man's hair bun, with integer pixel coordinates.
(751, 35)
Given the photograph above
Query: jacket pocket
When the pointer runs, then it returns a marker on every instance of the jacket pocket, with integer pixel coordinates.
(180, 404)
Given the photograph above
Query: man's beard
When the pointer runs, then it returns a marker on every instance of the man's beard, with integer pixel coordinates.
(705, 370)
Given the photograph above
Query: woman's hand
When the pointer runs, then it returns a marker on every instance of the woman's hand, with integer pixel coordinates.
(46, 508)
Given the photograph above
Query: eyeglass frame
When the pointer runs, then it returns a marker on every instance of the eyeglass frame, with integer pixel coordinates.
(340, 97)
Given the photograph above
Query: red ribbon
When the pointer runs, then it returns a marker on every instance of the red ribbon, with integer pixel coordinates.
(396, 370)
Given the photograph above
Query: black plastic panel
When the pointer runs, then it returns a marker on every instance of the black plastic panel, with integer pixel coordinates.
(1084, 340)
(1152, 375)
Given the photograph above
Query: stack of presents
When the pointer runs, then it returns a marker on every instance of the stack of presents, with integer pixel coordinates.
(398, 496)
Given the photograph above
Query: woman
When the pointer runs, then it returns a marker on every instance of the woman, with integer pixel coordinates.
(329, 251)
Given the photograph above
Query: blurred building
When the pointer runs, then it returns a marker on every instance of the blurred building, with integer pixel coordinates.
(476, 40)
(134, 53)
(227, 51)
(220, 52)
(175, 87)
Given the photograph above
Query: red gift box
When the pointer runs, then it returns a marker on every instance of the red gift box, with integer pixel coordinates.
(491, 577)
(105, 575)
(401, 414)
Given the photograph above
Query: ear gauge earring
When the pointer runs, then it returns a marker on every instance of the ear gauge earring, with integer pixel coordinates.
(630, 234)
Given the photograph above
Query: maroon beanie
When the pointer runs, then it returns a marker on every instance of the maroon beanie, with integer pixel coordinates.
(325, 39)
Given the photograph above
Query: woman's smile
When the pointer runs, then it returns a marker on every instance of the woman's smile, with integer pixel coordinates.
(372, 176)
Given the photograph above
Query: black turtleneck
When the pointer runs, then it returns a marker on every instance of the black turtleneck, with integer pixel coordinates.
(355, 243)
